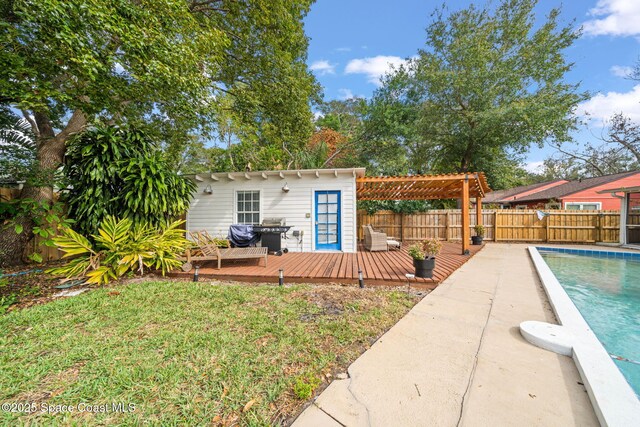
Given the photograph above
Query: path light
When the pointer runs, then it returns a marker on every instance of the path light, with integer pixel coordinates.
(409, 276)
(195, 273)
(360, 278)
(281, 277)
(208, 190)
(286, 188)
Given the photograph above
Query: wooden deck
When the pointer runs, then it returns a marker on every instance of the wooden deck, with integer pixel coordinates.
(378, 268)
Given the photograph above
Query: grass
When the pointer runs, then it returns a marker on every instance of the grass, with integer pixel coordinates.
(187, 353)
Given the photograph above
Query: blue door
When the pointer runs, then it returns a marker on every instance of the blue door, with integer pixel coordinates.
(328, 220)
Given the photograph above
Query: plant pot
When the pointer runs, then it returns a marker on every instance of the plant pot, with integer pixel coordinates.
(476, 240)
(424, 267)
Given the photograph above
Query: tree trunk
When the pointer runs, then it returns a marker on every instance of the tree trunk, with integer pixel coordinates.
(50, 149)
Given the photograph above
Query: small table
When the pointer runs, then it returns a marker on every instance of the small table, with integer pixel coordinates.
(393, 244)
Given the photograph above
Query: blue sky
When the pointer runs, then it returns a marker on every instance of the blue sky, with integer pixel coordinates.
(353, 41)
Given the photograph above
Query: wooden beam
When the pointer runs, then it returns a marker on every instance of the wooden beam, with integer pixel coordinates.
(317, 174)
(231, 178)
(478, 210)
(247, 176)
(199, 178)
(335, 172)
(264, 175)
(299, 174)
(416, 178)
(466, 220)
(281, 175)
(215, 178)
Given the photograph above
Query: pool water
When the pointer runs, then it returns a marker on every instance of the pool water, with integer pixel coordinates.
(607, 293)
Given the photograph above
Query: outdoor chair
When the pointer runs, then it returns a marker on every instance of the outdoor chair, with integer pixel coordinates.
(378, 241)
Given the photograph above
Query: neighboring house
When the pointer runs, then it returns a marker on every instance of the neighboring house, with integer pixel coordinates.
(507, 198)
(582, 194)
(629, 213)
(320, 205)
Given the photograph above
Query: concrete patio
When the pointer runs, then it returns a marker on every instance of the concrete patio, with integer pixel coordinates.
(458, 359)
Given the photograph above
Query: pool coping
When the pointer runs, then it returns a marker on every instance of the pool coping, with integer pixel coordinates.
(613, 399)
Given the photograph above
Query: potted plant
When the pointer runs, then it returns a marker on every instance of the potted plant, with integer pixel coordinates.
(477, 239)
(424, 256)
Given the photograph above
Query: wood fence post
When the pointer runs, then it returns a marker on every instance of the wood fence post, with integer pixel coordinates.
(599, 227)
(495, 225)
(402, 227)
(446, 225)
(546, 231)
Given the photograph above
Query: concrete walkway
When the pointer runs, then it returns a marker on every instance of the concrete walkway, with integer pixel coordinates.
(457, 358)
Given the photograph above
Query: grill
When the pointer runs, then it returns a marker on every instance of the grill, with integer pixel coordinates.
(271, 232)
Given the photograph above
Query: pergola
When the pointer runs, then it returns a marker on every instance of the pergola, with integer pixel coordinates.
(461, 186)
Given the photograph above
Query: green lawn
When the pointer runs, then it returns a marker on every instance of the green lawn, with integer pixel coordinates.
(182, 352)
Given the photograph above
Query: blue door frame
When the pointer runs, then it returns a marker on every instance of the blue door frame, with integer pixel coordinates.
(327, 222)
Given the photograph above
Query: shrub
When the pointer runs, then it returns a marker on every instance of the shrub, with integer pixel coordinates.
(427, 248)
(415, 251)
(118, 171)
(432, 247)
(120, 247)
(479, 229)
(45, 218)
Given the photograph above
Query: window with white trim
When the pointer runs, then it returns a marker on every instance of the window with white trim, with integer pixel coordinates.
(583, 206)
(248, 207)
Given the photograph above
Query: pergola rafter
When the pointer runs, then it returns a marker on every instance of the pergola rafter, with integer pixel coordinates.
(429, 187)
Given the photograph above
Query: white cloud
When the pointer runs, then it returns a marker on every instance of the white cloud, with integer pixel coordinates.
(374, 67)
(615, 18)
(621, 70)
(603, 106)
(345, 94)
(323, 67)
(533, 167)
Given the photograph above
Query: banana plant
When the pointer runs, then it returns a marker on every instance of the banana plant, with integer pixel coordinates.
(120, 246)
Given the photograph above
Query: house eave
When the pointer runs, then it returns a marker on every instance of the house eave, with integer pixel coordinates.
(282, 174)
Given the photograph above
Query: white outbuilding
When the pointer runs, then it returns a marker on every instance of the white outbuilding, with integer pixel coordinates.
(319, 205)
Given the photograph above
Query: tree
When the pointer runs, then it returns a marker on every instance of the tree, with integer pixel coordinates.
(117, 171)
(618, 150)
(624, 134)
(486, 86)
(164, 63)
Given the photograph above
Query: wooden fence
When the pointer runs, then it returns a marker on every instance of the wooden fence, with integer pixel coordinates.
(35, 245)
(566, 226)
(7, 194)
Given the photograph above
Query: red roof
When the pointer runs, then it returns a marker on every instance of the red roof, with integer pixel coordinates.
(563, 190)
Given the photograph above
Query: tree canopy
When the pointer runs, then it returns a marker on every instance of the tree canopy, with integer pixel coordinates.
(487, 85)
(117, 171)
(166, 61)
(616, 150)
(176, 68)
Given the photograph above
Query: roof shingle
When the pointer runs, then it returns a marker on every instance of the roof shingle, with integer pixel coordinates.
(571, 187)
(504, 195)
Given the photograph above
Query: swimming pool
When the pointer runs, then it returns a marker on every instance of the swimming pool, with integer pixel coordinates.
(605, 287)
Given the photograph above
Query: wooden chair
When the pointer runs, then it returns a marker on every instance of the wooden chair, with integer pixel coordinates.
(206, 250)
(374, 240)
